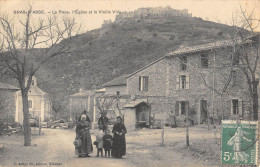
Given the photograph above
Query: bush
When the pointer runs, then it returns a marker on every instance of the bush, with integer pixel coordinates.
(8, 127)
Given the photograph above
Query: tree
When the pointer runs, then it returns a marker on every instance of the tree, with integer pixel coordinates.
(59, 104)
(106, 102)
(242, 56)
(249, 55)
(21, 39)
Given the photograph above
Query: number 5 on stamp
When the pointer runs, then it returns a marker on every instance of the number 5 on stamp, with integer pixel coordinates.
(239, 141)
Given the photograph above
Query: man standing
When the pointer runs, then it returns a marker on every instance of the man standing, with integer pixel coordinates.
(103, 121)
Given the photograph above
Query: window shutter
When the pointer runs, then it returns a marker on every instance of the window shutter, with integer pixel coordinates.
(140, 83)
(176, 108)
(240, 107)
(209, 62)
(146, 83)
(177, 82)
(228, 108)
(180, 60)
(187, 107)
(187, 82)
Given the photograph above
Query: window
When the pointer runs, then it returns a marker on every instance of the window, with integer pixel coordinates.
(236, 59)
(182, 82)
(143, 83)
(204, 61)
(181, 107)
(234, 78)
(117, 93)
(30, 103)
(235, 107)
(32, 82)
(183, 63)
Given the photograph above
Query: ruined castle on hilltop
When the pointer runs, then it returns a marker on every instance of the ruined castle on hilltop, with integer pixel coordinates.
(152, 12)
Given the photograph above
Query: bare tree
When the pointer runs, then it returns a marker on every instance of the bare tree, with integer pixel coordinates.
(242, 55)
(20, 38)
(249, 55)
(106, 102)
(59, 104)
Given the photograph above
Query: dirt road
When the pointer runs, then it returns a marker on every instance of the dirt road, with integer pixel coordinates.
(55, 148)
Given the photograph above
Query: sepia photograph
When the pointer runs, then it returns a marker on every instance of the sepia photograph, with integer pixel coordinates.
(129, 83)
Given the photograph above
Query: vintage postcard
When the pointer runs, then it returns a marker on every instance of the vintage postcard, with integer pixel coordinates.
(129, 83)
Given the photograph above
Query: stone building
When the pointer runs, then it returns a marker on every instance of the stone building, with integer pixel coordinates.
(190, 79)
(39, 103)
(87, 99)
(7, 102)
(83, 100)
(150, 12)
(114, 91)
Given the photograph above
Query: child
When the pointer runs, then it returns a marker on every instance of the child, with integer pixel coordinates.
(99, 139)
(107, 139)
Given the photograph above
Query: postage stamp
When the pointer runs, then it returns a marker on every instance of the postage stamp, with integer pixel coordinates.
(239, 141)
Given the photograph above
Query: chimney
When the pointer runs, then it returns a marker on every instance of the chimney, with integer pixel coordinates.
(80, 90)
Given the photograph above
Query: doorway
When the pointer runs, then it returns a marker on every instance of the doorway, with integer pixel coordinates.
(143, 114)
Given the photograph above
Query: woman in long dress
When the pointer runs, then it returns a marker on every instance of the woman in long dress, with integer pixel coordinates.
(82, 133)
(119, 143)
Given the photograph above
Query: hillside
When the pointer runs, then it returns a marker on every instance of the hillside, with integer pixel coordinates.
(123, 47)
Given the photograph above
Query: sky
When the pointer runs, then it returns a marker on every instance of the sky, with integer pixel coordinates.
(214, 10)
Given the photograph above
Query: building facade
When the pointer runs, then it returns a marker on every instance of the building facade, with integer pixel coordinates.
(39, 104)
(82, 101)
(114, 94)
(91, 100)
(7, 102)
(192, 80)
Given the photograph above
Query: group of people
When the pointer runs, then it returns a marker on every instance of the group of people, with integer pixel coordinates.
(113, 145)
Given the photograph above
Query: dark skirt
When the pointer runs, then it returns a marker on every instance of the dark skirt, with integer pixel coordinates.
(86, 146)
(118, 146)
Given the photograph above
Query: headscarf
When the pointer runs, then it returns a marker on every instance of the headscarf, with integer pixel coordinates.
(119, 118)
(83, 118)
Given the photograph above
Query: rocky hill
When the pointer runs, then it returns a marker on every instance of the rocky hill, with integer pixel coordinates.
(122, 47)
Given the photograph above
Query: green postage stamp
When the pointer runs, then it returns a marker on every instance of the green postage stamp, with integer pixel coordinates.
(239, 142)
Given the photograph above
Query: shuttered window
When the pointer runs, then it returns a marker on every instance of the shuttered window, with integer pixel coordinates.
(235, 106)
(183, 82)
(143, 83)
(183, 63)
(30, 103)
(204, 61)
(181, 107)
(234, 78)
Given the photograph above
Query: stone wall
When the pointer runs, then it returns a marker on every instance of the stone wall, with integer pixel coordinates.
(79, 104)
(112, 90)
(7, 105)
(204, 84)
(156, 81)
